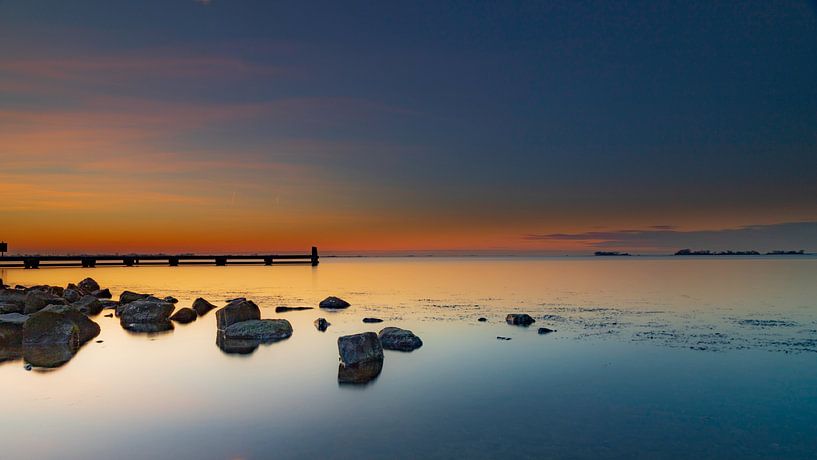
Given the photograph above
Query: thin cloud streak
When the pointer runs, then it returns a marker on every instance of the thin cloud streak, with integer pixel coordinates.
(789, 235)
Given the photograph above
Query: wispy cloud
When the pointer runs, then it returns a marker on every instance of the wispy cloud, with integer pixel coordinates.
(789, 235)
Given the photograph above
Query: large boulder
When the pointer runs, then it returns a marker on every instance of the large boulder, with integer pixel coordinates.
(519, 319)
(88, 304)
(394, 338)
(88, 285)
(50, 328)
(13, 319)
(38, 299)
(128, 297)
(149, 310)
(13, 296)
(334, 302)
(88, 329)
(184, 315)
(202, 306)
(358, 348)
(10, 308)
(48, 356)
(237, 311)
(361, 373)
(263, 330)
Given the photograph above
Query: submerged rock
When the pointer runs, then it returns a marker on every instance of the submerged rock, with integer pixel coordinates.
(235, 312)
(372, 320)
(202, 306)
(546, 330)
(128, 297)
(502, 338)
(358, 348)
(519, 319)
(50, 328)
(394, 338)
(321, 324)
(359, 374)
(38, 299)
(283, 309)
(263, 330)
(148, 310)
(334, 302)
(88, 285)
(184, 316)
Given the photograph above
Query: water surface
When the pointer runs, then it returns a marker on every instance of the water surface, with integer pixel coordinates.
(652, 358)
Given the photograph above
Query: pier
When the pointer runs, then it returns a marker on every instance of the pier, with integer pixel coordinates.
(131, 260)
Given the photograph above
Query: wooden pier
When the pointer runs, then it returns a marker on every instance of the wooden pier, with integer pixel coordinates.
(131, 260)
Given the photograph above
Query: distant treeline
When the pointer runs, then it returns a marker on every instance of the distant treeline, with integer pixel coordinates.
(611, 253)
(689, 252)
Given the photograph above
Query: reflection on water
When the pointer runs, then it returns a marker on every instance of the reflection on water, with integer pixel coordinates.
(720, 354)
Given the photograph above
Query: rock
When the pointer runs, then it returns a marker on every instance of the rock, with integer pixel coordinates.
(237, 311)
(184, 315)
(102, 293)
(322, 324)
(88, 304)
(48, 356)
(88, 285)
(13, 318)
(71, 295)
(519, 319)
(87, 328)
(147, 310)
(109, 315)
(283, 309)
(108, 304)
(359, 348)
(235, 300)
(545, 330)
(128, 297)
(359, 374)
(14, 297)
(372, 320)
(202, 306)
(58, 291)
(334, 302)
(171, 299)
(394, 338)
(10, 308)
(502, 338)
(236, 346)
(264, 330)
(37, 300)
(161, 326)
(482, 320)
(50, 328)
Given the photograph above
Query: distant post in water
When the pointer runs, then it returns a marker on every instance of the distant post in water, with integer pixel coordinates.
(4, 247)
(314, 256)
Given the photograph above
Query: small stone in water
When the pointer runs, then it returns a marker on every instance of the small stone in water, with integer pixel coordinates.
(482, 320)
(546, 330)
(503, 338)
(372, 320)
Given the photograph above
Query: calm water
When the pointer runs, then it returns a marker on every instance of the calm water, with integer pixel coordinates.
(653, 358)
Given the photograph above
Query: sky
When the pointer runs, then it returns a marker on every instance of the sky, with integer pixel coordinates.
(559, 127)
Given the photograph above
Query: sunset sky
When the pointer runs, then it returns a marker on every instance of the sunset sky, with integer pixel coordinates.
(547, 127)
